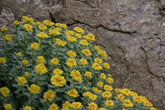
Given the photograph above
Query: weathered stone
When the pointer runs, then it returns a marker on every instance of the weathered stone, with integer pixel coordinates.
(162, 4)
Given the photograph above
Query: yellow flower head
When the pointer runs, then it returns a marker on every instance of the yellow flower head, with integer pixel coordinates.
(34, 45)
(75, 105)
(71, 39)
(21, 80)
(83, 61)
(4, 91)
(102, 108)
(27, 108)
(71, 53)
(4, 29)
(106, 66)
(89, 37)
(98, 60)
(147, 103)
(96, 90)
(53, 107)
(27, 74)
(96, 66)
(75, 74)
(88, 74)
(16, 22)
(92, 106)
(117, 90)
(57, 71)
(42, 27)
(125, 91)
(40, 59)
(137, 99)
(153, 108)
(108, 87)
(127, 103)
(102, 53)
(54, 61)
(19, 54)
(54, 32)
(100, 84)
(96, 48)
(69, 32)
(34, 89)
(106, 94)
(71, 62)
(48, 23)
(7, 37)
(78, 35)
(59, 42)
(42, 35)
(72, 93)
(41, 69)
(120, 97)
(28, 27)
(24, 62)
(66, 105)
(84, 42)
(78, 30)
(37, 23)
(86, 52)
(85, 88)
(49, 95)
(2, 60)
(58, 81)
(7, 106)
(110, 80)
(109, 103)
(102, 76)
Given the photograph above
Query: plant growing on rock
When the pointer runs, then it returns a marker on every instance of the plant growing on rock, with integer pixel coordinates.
(45, 66)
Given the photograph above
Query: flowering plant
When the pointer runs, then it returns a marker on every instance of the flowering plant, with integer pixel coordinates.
(45, 66)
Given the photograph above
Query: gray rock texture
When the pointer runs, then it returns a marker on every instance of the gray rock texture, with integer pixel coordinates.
(131, 31)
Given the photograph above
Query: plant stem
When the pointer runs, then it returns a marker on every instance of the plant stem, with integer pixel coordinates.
(24, 42)
(51, 46)
(41, 46)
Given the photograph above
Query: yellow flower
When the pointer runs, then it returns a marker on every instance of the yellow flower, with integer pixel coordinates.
(137, 99)
(27, 108)
(86, 52)
(110, 80)
(109, 103)
(127, 103)
(98, 60)
(96, 48)
(40, 59)
(78, 35)
(66, 105)
(4, 91)
(19, 54)
(27, 74)
(96, 66)
(41, 69)
(78, 30)
(85, 88)
(117, 90)
(21, 80)
(72, 93)
(92, 97)
(16, 22)
(7, 37)
(71, 62)
(102, 108)
(34, 89)
(26, 19)
(120, 97)
(92, 106)
(4, 29)
(48, 23)
(28, 27)
(57, 71)
(42, 35)
(106, 66)
(59, 42)
(153, 108)
(102, 76)
(37, 23)
(71, 53)
(49, 95)
(83, 61)
(89, 37)
(54, 32)
(108, 87)
(71, 39)
(125, 91)
(133, 94)
(96, 90)
(88, 74)
(64, 26)
(2, 60)
(42, 27)
(69, 32)
(54, 61)
(75, 74)
(58, 81)
(7, 106)
(24, 62)
(106, 94)
(100, 84)
(34, 45)
(84, 42)
(53, 107)
(75, 105)
(102, 53)
(147, 103)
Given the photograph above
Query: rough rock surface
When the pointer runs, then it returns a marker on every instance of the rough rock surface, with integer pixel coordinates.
(131, 31)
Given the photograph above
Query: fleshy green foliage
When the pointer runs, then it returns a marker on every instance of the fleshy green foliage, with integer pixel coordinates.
(45, 66)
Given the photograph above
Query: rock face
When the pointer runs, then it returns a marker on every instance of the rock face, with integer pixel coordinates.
(131, 31)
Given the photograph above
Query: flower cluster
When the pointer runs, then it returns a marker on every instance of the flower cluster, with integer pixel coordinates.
(45, 66)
